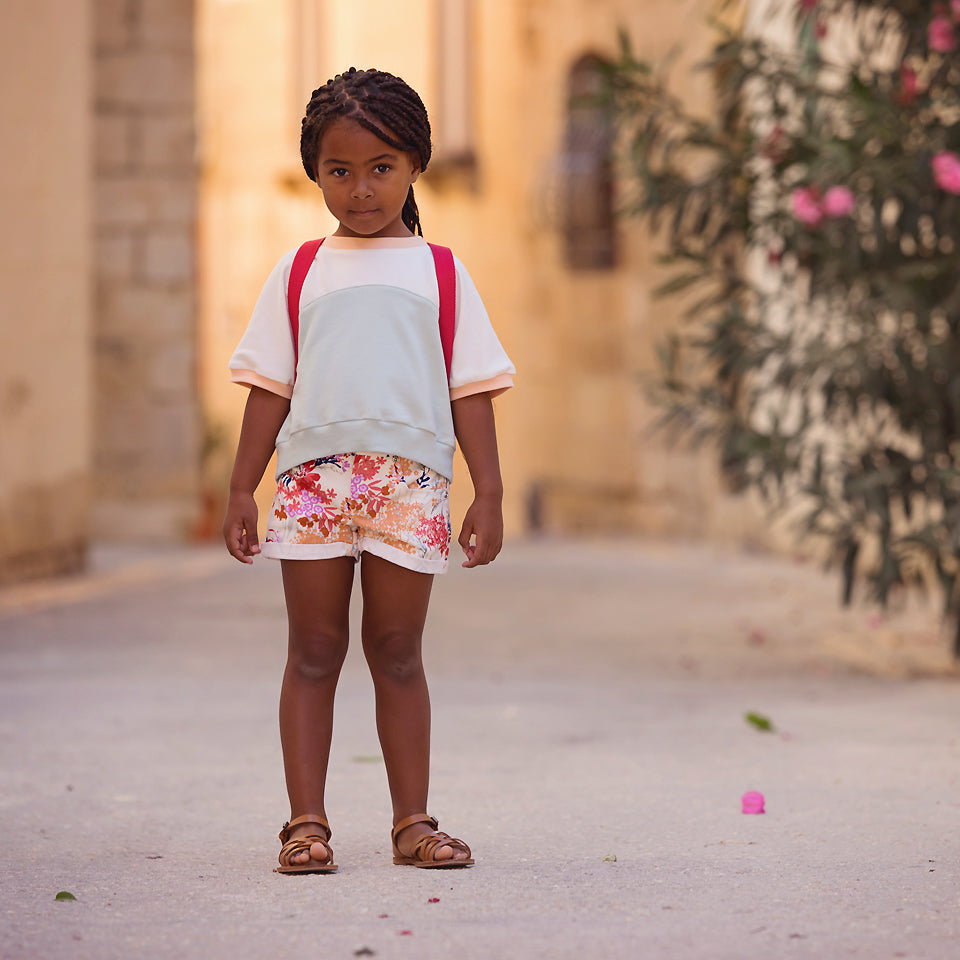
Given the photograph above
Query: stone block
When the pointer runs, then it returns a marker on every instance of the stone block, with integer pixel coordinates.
(114, 255)
(148, 199)
(113, 25)
(165, 24)
(173, 371)
(131, 313)
(112, 143)
(144, 79)
(167, 142)
(168, 257)
(174, 447)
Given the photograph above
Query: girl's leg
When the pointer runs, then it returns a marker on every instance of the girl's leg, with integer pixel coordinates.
(317, 593)
(395, 602)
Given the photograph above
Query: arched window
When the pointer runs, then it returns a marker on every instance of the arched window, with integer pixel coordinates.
(588, 196)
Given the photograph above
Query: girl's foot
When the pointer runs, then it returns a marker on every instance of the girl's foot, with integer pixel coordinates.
(306, 846)
(417, 842)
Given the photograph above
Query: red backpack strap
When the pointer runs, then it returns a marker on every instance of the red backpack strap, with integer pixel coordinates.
(447, 285)
(302, 261)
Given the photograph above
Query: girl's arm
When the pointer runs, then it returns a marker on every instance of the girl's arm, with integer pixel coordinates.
(262, 420)
(476, 433)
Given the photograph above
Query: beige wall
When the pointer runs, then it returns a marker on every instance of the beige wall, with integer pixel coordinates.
(45, 438)
(575, 431)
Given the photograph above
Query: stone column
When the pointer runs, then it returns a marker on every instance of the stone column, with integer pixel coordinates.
(146, 421)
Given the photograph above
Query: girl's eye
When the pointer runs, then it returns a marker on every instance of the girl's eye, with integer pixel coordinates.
(338, 172)
(382, 168)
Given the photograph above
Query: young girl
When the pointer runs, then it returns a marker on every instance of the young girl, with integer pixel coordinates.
(364, 421)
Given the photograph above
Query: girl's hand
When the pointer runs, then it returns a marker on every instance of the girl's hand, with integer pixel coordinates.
(240, 527)
(484, 522)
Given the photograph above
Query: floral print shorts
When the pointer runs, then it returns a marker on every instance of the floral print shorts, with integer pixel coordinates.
(341, 505)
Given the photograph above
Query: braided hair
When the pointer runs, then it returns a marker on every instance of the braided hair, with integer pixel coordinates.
(372, 98)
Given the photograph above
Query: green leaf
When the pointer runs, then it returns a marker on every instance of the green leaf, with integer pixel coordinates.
(64, 895)
(759, 721)
(367, 758)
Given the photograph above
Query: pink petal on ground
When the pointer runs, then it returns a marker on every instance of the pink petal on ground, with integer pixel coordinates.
(434, 900)
(752, 802)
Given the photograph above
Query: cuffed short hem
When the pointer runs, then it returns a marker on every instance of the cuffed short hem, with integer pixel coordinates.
(306, 551)
(329, 551)
(412, 562)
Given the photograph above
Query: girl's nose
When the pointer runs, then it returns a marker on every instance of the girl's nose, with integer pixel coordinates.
(361, 190)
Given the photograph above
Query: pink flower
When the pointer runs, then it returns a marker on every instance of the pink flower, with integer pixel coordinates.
(838, 202)
(946, 171)
(909, 87)
(806, 206)
(820, 29)
(807, 6)
(940, 35)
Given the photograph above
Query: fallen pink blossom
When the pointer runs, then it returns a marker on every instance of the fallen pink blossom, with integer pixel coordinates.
(752, 802)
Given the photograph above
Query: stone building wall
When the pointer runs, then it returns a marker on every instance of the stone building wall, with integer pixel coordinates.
(147, 426)
(45, 443)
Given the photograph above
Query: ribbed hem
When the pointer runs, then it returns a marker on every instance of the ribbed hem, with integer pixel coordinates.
(377, 436)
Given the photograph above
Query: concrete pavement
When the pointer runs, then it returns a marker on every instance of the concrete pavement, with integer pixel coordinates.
(589, 703)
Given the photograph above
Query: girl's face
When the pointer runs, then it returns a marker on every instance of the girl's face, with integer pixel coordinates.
(364, 180)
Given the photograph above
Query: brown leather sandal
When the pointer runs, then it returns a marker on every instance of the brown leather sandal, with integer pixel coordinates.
(427, 845)
(301, 844)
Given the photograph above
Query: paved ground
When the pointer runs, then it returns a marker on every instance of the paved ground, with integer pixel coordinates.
(589, 703)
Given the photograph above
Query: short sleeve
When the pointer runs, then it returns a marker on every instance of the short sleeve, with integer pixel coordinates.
(264, 357)
(479, 363)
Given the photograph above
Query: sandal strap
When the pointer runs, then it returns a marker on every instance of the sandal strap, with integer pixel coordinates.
(409, 821)
(428, 844)
(299, 844)
(306, 818)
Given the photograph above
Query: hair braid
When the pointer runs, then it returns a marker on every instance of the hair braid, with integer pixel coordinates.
(375, 100)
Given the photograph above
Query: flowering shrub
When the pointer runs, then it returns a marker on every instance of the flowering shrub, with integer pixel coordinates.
(814, 221)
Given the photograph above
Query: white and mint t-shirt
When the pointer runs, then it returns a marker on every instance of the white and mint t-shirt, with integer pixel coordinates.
(371, 374)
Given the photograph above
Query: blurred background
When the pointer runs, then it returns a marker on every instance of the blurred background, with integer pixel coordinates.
(150, 179)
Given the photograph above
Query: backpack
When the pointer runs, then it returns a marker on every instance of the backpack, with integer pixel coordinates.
(446, 284)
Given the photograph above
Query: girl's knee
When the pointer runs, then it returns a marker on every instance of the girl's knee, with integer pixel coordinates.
(316, 655)
(394, 655)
